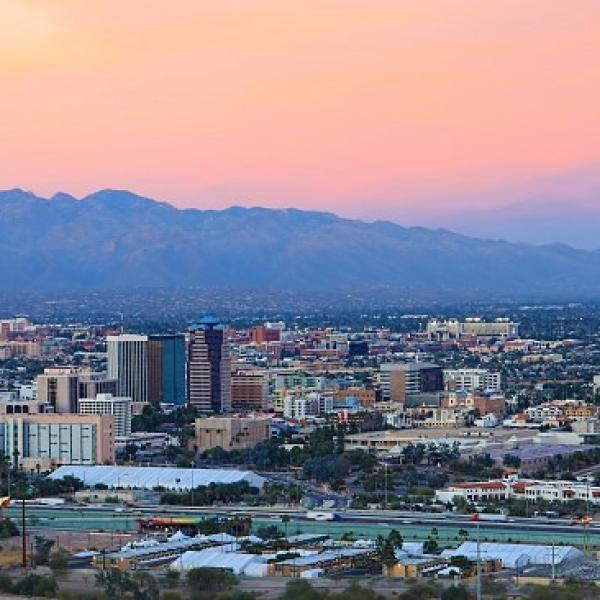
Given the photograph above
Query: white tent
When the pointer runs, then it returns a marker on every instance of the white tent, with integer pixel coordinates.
(512, 555)
(238, 563)
(171, 478)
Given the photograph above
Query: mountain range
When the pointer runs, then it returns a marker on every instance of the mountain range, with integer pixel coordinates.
(118, 240)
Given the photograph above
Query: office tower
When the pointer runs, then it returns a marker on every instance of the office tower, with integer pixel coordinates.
(107, 404)
(166, 369)
(401, 380)
(92, 384)
(59, 389)
(358, 348)
(43, 441)
(128, 364)
(209, 367)
(249, 391)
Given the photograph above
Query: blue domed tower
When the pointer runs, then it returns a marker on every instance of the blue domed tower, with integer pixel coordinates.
(209, 367)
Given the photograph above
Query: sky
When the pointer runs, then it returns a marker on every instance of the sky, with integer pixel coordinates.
(401, 109)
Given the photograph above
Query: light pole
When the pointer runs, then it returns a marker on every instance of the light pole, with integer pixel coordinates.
(475, 517)
(385, 497)
(192, 465)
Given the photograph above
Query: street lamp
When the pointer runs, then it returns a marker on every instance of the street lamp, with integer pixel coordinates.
(475, 517)
(192, 464)
(28, 492)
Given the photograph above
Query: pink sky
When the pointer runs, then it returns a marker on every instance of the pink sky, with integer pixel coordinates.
(380, 108)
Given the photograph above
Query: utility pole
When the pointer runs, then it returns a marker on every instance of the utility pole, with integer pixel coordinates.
(475, 517)
(192, 483)
(385, 498)
(23, 535)
(553, 567)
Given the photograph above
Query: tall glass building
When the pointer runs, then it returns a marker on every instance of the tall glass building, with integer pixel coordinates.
(166, 369)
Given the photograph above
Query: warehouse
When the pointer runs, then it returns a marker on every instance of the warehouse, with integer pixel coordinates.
(152, 552)
(516, 555)
(171, 478)
(342, 558)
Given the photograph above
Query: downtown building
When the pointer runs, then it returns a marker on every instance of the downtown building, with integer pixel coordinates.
(107, 404)
(59, 389)
(209, 367)
(399, 381)
(148, 369)
(40, 442)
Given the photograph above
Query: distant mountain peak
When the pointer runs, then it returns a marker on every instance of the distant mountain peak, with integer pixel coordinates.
(122, 198)
(118, 239)
(16, 194)
(63, 197)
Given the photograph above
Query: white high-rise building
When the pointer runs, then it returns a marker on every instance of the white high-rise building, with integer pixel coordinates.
(107, 404)
(128, 364)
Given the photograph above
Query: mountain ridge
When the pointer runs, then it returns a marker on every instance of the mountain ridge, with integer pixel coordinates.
(115, 238)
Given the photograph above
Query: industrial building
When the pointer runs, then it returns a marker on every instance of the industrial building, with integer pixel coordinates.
(516, 555)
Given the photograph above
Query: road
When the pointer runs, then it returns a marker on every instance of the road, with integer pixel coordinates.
(413, 526)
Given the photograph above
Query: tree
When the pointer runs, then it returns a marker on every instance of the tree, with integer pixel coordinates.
(420, 591)
(386, 552)
(210, 580)
(395, 538)
(8, 528)
(510, 460)
(458, 592)
(300, 589)
(35, 585)
(355, 592)
(59, 561)
(121, 585)
(172, 576)
(145, 587)
(430, 546)
(42, 550)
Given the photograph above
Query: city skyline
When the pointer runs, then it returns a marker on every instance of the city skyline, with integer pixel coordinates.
(412, 112)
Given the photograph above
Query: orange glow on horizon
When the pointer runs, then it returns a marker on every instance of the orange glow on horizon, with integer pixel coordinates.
(364, 108)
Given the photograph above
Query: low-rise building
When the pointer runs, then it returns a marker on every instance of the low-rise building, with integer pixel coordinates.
(301, 407)
(470, 380)
(530, 489)
(107, 404)
(41, 441)
(230, 433)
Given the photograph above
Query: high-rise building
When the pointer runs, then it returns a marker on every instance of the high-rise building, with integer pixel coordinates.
(166, 369)
(107, 404)
(128, 364)
(209, 367)
(59, 389)
(92, 384)
(399, 380)
(249, 390)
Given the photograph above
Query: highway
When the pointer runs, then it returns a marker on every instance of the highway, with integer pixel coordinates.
(359, 523)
